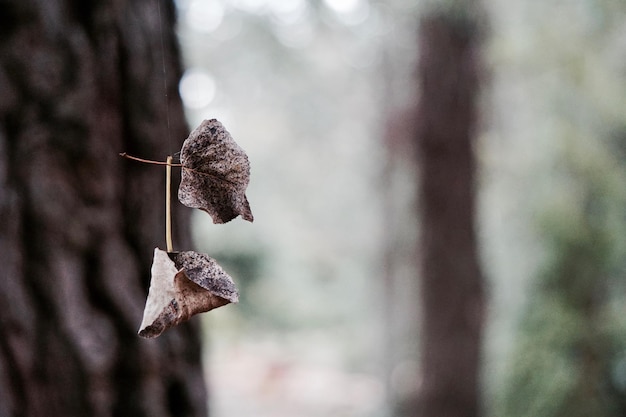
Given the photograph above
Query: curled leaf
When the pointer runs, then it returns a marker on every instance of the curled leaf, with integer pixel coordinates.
(215, 174)
(183, 284)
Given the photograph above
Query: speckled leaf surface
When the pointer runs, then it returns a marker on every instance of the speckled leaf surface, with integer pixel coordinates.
(215, 174)
(206, 273)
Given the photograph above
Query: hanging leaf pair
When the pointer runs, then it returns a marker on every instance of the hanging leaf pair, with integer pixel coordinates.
(215, 175)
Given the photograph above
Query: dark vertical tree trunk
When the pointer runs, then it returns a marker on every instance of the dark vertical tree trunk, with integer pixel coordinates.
(452, 285)
(80, 82)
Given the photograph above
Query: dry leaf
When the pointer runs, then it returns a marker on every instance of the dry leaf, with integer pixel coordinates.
(183, 284)
(215, 173)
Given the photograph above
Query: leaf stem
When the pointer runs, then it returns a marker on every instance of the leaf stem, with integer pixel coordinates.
(168, 204)
(149, 161)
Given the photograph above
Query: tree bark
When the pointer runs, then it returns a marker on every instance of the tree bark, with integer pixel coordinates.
(80, 82)
(452, 286)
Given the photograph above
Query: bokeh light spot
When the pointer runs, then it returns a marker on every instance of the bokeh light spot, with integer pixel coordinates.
(197, 88)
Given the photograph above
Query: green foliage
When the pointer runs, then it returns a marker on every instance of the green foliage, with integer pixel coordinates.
(559, 86)
(568, 347)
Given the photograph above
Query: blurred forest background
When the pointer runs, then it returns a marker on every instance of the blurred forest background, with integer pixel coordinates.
(324, 96)
(308, 89)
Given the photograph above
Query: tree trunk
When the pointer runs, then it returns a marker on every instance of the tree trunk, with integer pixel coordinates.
(80, 82)
(452, 286)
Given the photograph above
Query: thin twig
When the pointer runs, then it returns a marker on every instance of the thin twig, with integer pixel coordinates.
(206, 174)
(149, 161)
(168, 205)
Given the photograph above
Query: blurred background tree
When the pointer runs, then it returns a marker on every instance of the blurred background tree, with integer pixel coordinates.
(434, 136)
(79, 83)
(452, 286)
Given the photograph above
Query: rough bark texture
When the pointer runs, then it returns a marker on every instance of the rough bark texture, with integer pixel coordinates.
(452, 285)
(81, 81)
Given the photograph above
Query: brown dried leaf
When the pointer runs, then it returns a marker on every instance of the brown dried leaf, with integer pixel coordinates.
(205, 272)
(215, 173)
(183, 284)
